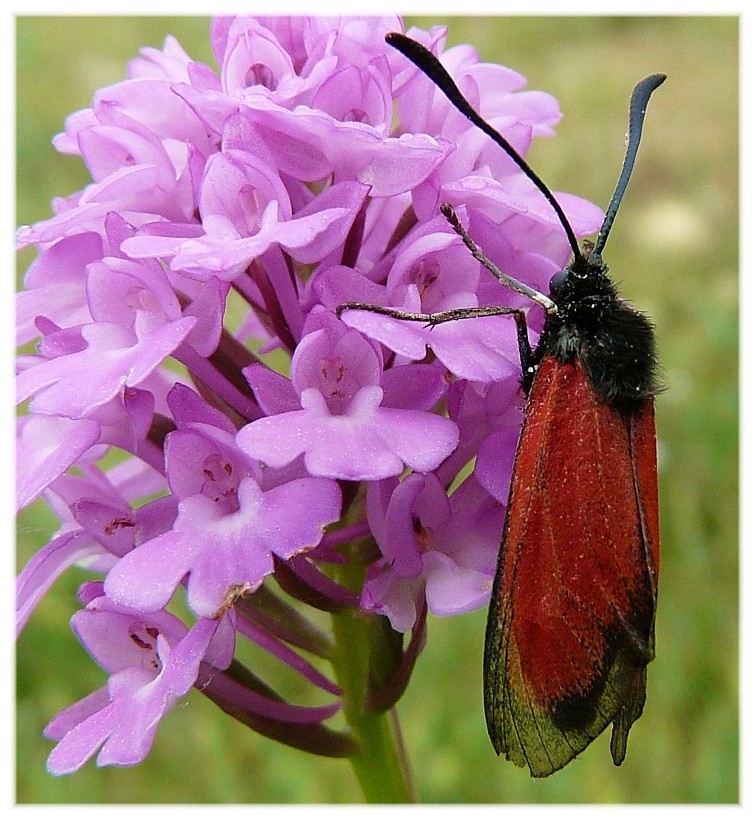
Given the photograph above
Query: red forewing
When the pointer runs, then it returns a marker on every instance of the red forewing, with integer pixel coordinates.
(571, 623)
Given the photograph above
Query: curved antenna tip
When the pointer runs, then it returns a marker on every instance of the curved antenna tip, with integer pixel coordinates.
(636, 112)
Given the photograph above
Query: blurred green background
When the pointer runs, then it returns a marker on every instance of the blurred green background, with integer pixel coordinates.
(674, 249)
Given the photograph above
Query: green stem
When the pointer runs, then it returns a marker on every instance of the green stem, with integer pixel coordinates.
(380, 766)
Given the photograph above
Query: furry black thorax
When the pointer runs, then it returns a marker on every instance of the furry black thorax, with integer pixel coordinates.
(612, 340)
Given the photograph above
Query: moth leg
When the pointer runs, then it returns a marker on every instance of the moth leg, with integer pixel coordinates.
(432, 319)
(504, 279)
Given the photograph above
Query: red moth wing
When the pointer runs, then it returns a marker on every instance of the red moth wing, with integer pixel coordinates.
(571, 622)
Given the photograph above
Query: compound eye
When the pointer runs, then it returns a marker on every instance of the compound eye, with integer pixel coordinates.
(558, 280)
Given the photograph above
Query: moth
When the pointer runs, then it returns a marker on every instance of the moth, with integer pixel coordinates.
(570, 627)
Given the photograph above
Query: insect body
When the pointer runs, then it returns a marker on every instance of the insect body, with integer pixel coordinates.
(570, 628)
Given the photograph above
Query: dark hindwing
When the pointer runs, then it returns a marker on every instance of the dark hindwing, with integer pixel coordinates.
(571, 624)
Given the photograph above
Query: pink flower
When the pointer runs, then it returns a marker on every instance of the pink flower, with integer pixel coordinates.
(353, 423)
(152, 661)
(184, 310)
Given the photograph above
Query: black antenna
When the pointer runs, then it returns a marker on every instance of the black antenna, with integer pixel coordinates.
(636, 111)
(426, 61)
